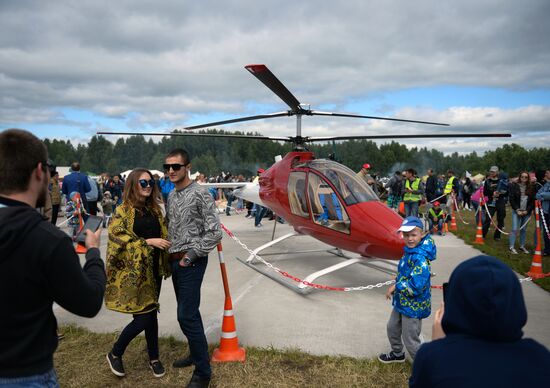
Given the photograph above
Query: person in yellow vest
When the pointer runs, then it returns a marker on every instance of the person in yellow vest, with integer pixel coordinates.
(451, 187)
(436, 216)
(413, 190)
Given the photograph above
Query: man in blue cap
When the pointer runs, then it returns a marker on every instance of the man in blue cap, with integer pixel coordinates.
(411, 292)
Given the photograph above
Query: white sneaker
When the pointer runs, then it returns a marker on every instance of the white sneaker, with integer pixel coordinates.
(513, 251)
(524, 250)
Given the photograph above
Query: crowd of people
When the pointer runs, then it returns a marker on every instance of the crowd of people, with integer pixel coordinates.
(166, 227)
(491, 195)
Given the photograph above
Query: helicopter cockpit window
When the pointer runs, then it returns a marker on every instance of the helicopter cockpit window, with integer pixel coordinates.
(326, 207)
(351, 189)
(296, 190)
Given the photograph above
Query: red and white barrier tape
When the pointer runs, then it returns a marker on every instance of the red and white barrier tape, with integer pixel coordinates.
(322, 286)
(541, 215)
(298, 280)
(458, 210)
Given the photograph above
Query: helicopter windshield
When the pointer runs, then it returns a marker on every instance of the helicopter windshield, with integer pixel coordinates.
(350, 188)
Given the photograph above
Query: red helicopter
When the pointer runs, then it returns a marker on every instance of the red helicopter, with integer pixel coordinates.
(319, 197)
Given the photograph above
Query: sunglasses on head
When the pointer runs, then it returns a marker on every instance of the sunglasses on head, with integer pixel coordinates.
(173, 166)
(144, 183)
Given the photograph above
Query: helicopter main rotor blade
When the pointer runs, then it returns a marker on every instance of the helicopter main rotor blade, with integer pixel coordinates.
(419, 136)
(319, 113)
(268, 79)
(239, 119)
(255, 137)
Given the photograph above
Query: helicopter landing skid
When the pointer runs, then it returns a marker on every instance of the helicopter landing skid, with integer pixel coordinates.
(302, 288)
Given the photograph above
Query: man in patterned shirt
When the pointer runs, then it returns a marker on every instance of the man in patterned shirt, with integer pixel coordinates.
(194, 230)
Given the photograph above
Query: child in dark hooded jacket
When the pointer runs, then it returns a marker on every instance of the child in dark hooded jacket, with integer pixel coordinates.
(478, 341)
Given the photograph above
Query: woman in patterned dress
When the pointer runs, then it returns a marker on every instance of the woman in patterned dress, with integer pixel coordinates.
(136, 262)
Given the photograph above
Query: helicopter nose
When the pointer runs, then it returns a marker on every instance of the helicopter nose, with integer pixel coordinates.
(380, 225)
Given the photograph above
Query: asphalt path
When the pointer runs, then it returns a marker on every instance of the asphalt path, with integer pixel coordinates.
(267, 314)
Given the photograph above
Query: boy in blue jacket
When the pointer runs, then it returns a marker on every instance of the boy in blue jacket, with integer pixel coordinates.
(411, 292)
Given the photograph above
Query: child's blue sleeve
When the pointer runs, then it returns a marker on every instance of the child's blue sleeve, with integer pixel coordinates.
(419, 278)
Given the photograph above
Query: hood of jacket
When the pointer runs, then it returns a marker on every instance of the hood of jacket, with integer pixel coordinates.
(425, 247)
(484, 299)
(15, 224)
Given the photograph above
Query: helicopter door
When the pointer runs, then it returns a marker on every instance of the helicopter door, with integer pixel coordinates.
(326, 206)
(297, 194)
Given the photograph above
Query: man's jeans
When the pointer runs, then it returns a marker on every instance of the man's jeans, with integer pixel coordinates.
(500, 210)
(187, 286)
(260, 213)
(411, 209)
(45, 380)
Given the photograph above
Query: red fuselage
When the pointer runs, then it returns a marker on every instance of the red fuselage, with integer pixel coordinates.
(371, 227)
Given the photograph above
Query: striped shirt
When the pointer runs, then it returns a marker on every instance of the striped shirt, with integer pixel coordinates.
(193, 222)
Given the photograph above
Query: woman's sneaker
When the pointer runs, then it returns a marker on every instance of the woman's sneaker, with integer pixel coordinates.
(157, 368)
(513, 251)
(115, 363)
(390, 357)
(524, 250)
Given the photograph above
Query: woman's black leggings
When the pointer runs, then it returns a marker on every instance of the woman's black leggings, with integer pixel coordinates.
(148, 322)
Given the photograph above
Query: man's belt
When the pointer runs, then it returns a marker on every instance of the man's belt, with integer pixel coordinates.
(177, 255)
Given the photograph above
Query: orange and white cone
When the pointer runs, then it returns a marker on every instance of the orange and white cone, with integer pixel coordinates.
(479, 232)
(453, 221)
(229, 349)
(536, 265)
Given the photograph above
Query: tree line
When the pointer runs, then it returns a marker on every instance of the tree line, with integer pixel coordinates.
(211, 155)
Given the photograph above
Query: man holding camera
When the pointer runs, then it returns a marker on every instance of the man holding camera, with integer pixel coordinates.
(38, 266)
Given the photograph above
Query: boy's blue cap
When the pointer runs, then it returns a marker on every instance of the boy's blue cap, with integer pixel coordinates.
(410, 223)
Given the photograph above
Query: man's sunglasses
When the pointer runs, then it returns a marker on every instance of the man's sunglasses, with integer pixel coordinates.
(173, 166)
(144, 183)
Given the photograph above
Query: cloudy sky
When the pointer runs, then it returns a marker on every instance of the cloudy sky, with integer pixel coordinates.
(71, 68)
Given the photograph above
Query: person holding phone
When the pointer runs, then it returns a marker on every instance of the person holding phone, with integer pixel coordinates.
(38, 266)
(136, 262)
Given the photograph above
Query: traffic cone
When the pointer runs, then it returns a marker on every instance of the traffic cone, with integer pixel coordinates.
(229, 349)
(80, 249)
(536, 265)
(479, 232)
(453, 220)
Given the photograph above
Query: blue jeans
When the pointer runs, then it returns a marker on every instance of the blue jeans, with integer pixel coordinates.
(439, 225)
(411, 209)
(45, 380)
(518, 222)
(187, 286)
(260, 213)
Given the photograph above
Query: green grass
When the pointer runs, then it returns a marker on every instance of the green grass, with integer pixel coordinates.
(80, 362)
(521, 262)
